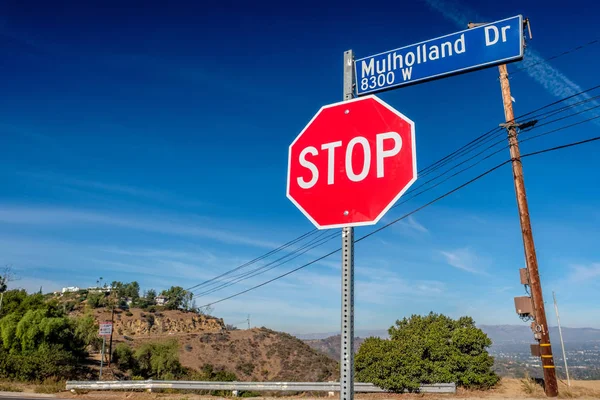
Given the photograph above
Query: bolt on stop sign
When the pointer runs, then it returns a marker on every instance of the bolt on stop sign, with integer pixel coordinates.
(351, 163)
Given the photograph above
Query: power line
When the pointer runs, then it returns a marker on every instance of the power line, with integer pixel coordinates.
(358, 240)
(544, 61)
(462, 151)
(264, 269)
(283, 246)
(528, 114)
(446, 159)
(258, 271)
(261, 267)
(489, 171)
(564, 146)
(567, 116)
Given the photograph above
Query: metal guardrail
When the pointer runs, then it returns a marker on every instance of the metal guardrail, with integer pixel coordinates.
(244, 386)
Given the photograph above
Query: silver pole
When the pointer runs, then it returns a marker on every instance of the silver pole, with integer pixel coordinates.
(102, 355)
(347, 337)
(561, 340)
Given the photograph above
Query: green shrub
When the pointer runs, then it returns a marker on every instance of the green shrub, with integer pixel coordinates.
(95, 300)
(429, 349)
(38, 340)
(159, 360)
(123, 357)
(129, 314)
(38, 365)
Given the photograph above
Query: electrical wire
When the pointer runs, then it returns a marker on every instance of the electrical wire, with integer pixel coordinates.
(462, 151)
(246, 273)
(560, 129)
(422, 192)
(283, 246)
(554, 57)
(489, 171)
(270, 266)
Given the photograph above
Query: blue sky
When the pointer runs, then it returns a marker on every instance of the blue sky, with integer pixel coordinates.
(149, 142)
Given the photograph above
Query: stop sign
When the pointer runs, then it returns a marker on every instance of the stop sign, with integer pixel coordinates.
(351, 162)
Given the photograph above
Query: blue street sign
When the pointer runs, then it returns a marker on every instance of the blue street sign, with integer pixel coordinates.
(484, 46)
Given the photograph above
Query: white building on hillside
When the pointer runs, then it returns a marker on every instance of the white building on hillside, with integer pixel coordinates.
(95, 289)
(70, 289)
(161, 300)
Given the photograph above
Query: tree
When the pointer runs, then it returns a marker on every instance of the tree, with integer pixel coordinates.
(124, 358)
(38, 340)
(178, 297)
(132, 290)
(6, 276)
(95, 300)
(150, 295)
(427, 349)
(159, 360)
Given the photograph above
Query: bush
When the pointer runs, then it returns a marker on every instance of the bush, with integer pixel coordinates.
(429, 349)
(123, 357)
(159, 360)
(37, 365)
(95, 300)
(86, 331)
(38, 340)
(129, 314)
(245, 368)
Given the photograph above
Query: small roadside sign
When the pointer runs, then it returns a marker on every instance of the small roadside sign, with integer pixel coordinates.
(105, 329)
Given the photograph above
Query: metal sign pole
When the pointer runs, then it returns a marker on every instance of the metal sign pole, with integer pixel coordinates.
(347, 336)
(102, 355)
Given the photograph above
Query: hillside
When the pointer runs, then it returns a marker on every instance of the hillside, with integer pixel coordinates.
(331, 346)
(257, 354)
(137, 322)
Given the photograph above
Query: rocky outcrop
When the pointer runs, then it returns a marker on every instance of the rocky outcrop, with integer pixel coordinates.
(140, 323)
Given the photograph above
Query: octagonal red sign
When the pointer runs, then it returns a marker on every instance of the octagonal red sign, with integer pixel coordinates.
(351, 163)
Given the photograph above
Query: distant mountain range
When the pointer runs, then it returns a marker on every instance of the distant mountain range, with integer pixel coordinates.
(362, 333)
(500, 334)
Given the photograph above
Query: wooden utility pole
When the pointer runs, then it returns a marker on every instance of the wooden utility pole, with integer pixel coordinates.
(541, 325)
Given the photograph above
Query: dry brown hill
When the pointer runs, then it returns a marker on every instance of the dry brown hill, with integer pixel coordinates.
(137, 322)
(257, 354)
(332, 346)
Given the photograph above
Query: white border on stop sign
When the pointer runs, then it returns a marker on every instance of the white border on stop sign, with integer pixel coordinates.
(391, 203)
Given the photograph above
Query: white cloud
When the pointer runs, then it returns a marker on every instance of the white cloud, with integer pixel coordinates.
(64, 216)
(582, 273)
(33, 285)
(466, 260)
(63, 180)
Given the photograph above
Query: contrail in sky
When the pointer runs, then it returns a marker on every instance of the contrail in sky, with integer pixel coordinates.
(555, 82)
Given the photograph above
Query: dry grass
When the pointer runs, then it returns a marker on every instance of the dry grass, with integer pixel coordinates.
(50, 386)
(9, 387)
(531, 387)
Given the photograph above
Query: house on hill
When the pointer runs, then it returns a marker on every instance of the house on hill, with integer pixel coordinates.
(161, 300)
(70, 289)
(95, 289)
